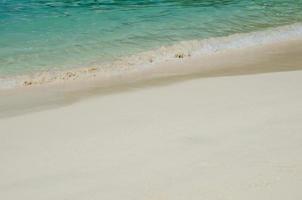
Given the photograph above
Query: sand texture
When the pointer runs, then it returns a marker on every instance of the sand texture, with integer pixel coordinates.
(228, 138)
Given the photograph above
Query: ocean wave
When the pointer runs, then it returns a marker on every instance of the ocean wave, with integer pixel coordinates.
(149, 59)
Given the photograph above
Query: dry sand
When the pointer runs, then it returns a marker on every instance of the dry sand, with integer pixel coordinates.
(217, 138)
(213, 138)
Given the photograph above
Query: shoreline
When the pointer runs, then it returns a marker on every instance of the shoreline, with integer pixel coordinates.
(151, 100)
(282, 56)
(146, 61)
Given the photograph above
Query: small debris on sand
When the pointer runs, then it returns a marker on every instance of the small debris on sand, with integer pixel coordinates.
(179, 55)
(70, 74)
(28, 83)
(92, 69)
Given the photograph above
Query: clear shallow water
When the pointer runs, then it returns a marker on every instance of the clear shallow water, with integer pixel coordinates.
(58, 34)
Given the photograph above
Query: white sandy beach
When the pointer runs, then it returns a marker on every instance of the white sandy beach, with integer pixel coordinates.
(230, 138)
(151, 100)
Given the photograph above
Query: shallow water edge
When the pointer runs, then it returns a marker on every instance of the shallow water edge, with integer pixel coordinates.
(151, 60)
(276, 57)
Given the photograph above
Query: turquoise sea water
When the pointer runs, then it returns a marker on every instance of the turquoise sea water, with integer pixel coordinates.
(57, 34)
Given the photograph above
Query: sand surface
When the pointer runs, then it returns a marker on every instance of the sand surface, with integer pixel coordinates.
(228, 138)
(272, 57)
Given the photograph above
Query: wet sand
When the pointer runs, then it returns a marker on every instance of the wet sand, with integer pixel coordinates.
(226, 126)
(282, 56)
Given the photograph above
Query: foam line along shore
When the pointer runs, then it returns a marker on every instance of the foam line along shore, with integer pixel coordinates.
(46, 41)
(145, 61)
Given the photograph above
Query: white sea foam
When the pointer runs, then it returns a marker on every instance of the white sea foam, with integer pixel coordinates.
(148, 59)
